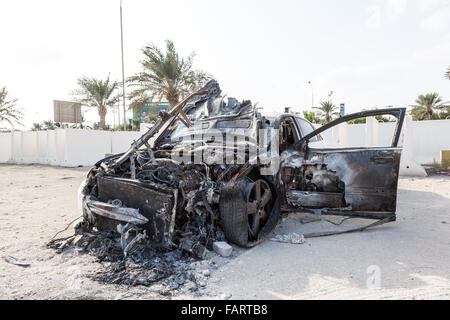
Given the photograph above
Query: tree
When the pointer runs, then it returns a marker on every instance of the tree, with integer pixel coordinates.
(36, 126)
(380, 118)
(445, 114)
(45, 125)
(447, 74)
(49, 125)
(164, 76)
(326, 111)
(9, 111)
(97, 93)
(427, 106)
(310, 116)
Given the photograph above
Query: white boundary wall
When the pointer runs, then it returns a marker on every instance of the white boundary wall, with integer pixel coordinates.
(121, 140)
(62, 147)
(77, 147)
(427, 139)
(5, 147)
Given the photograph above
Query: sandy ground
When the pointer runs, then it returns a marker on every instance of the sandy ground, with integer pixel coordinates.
(408, 259)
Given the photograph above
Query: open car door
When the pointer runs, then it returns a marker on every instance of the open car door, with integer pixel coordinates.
(350, 181)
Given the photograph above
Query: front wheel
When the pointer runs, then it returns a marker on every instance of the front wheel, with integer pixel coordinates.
(245, 210)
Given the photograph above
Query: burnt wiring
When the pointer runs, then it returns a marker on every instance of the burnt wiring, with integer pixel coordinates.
(67, 227)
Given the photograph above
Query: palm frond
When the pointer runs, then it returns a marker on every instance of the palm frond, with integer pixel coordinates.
(326, 111)
(97, 93)
(165, 75)
(94, 92)
(428, 106)
(9, 111)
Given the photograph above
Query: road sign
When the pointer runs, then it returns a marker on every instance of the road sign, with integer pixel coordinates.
(342, 110)
(66, 112)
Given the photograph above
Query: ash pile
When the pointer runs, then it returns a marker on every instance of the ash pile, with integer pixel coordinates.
(173, 271)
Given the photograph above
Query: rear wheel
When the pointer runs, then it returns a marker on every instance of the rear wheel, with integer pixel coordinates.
(245, 210)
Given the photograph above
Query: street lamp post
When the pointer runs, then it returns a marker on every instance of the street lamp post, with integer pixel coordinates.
(329, 95)
(312, 93)
(118, 105)
(123, 71)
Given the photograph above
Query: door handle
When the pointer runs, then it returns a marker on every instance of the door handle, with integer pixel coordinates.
(382, 159)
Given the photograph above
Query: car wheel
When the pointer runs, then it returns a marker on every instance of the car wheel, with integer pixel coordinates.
(245, 210)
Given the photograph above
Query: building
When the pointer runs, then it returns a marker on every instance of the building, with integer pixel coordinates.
(149, 109)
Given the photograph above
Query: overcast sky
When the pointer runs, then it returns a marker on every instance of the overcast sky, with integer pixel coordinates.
(369, 53)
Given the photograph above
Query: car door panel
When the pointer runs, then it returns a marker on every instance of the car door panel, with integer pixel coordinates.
(370, 181)
(348, 181)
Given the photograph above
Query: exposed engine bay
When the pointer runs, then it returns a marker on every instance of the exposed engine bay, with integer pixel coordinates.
(160, 190)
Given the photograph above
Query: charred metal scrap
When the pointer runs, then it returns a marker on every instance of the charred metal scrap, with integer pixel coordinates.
(215, 168)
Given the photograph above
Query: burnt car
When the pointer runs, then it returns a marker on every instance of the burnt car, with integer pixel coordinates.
(215, 168)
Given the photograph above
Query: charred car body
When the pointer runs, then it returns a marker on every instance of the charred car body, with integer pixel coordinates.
(215, 168)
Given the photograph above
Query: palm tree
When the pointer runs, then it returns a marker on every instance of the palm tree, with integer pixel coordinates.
(427, 106)
(36, 126)
(48, 125)
(165, 76)
(447, 74)
(8, 109)
(310, 116)
(327, 110)
(97, 93)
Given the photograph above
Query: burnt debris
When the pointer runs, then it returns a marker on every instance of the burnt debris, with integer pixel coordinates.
(174, 271)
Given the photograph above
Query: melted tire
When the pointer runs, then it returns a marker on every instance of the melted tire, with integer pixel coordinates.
(233, 214)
